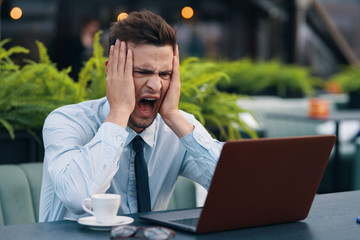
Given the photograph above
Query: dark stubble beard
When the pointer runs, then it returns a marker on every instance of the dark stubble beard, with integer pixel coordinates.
(139, 127)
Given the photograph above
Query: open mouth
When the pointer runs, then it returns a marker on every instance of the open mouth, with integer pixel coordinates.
(147, 104)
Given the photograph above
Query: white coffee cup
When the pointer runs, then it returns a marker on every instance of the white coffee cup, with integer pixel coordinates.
(103, 206)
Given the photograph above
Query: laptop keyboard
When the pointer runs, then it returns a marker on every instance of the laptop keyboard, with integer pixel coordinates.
(187, 221)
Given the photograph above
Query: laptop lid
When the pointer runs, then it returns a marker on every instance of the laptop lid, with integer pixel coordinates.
(260, 182)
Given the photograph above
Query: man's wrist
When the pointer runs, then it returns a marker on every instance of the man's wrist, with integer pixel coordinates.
(118, 117)
(178, 124)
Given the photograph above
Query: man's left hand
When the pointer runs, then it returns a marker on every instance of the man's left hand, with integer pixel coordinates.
(169, 110)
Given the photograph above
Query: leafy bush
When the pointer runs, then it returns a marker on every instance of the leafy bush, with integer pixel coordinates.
(30, 93)
(211, 107)
(92, 76)
(348, 79)
(248, 77)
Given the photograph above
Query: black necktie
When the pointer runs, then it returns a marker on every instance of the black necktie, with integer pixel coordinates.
(141, 173)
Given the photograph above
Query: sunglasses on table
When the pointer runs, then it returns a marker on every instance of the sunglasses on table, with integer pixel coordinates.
(150, 233)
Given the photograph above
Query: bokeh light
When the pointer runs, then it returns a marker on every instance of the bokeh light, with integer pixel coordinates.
(187, 12)
(16, 13)
(122, 16)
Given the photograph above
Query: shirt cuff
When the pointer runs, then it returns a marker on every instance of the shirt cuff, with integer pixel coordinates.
(112, 134)
(197, 142)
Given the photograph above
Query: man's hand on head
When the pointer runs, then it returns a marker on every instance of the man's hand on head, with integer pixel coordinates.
(169, 110)
(170, 105)
(120, 89)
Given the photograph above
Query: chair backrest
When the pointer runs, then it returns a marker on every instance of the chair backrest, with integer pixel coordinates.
(184, 195)
(20, 186)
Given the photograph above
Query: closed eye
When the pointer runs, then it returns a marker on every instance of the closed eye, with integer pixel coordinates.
(142, 72)
(138, 72)
(165, 75)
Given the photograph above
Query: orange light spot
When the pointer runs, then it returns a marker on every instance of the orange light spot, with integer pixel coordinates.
(187, 12)
(122, 16)
(16, 13)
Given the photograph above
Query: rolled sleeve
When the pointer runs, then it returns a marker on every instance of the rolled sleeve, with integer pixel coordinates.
(79, 170)
(202, 155)
(110, 140)
(200, 143)
(112, 134)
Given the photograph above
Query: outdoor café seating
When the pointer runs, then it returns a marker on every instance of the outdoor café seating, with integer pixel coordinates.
(20, 186)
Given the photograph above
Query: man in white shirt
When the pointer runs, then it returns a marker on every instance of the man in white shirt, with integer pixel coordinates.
(88, 146)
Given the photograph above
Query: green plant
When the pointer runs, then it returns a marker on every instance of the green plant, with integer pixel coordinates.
(249, 77)
(29, 93)
(92, 76)
(348, 79)
(210, 106)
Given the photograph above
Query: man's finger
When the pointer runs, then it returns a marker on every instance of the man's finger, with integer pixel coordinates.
(176, 68)
(110, 61)
(129, 64)
(115, 57)
(122, 57)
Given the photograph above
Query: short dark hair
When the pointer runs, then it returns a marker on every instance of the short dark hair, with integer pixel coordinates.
(143, 27)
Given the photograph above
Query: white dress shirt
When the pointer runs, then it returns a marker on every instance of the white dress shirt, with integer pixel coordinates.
(85, 155)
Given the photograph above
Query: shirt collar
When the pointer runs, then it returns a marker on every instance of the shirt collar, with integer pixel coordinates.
(148, 135)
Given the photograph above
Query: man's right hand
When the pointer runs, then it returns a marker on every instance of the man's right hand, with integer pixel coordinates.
(120, 89)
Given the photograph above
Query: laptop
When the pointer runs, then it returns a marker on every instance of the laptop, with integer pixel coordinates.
(257, 182)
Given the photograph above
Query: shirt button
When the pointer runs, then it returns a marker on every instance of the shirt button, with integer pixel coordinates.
(131, 193)
(202, 139)
(119, 138)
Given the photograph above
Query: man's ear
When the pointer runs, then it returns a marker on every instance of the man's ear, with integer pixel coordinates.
(106, 65)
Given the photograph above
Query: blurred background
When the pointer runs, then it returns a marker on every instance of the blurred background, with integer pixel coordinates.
(294, 31)
(293, 66)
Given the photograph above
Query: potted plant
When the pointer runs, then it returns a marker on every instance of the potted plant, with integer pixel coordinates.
(217, 110)
(27, 95)
(92, 76)
(347, 81)
(269, 78)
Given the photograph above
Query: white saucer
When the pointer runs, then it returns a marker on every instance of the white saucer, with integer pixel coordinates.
(92, 224)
